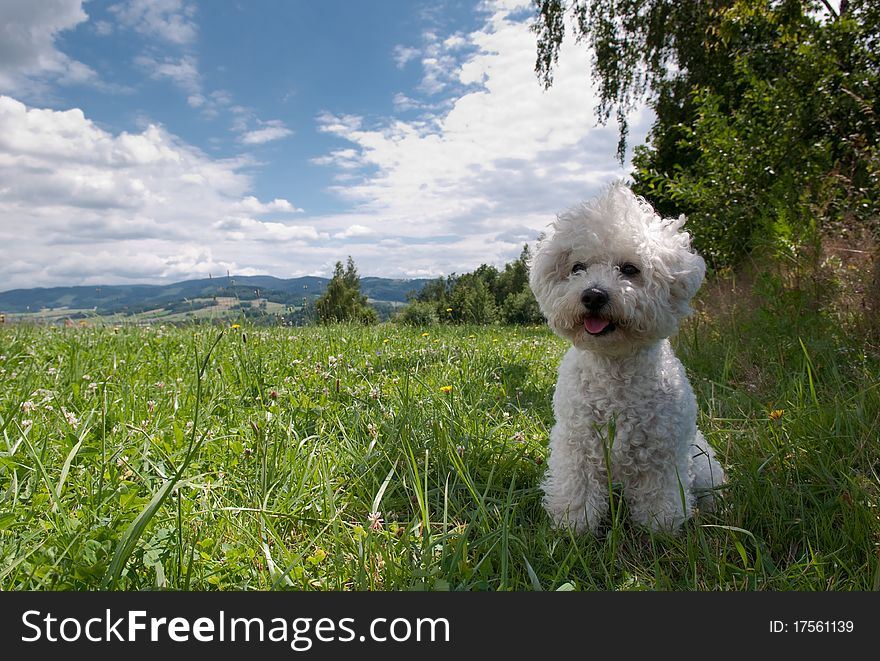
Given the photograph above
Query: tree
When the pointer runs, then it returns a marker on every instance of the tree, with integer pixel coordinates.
(342, 301)
(521, 308)
(640, 48)
(436, 292)
(766, 114)
(484, 296)
(515, 277)
(471, 301)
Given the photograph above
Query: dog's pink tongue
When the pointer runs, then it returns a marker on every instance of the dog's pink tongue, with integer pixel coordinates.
(595, 324)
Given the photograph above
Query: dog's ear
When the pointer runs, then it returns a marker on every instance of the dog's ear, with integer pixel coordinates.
(549, 263)
(561, 265)
(548, 266)
(687, 279)
(687, 269)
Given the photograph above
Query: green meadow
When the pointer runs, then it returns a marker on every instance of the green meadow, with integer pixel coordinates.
(390, 457)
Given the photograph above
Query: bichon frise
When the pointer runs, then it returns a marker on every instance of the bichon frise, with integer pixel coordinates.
(615, 278)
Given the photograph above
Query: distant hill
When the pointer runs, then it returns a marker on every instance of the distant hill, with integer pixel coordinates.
(132, 299)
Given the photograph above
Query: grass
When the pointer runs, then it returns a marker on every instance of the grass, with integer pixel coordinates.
(392, 458)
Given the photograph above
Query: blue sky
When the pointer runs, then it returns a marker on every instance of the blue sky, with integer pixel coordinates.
(160, 140)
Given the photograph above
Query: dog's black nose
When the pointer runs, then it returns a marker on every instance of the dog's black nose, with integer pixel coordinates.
(594, 298)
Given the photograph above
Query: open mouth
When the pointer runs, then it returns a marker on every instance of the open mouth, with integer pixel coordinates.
(598, 326)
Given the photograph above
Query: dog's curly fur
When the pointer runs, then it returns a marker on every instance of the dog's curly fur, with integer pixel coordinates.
(615, 279)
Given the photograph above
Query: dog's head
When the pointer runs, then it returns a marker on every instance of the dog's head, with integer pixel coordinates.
(612, 275)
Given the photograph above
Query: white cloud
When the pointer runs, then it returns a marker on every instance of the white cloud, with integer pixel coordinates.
(440, 61)
(250, 204)
(354, 231)
(239, 228)
(270, 130)
(454, 42)
(404, 54)
(343, 159)
(470, 181)
(169, 25)
(29, 59)
(103, 28)
(214, 103)
(182, 72)
(483, 161)
(341, 125)
(492, 169)
(83, 205)
(165, 20)
(403, 103)
(132, 265)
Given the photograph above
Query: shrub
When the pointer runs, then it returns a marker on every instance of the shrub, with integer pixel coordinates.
(417, 313)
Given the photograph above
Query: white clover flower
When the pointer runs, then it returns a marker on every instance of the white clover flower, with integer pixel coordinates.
(70, 417)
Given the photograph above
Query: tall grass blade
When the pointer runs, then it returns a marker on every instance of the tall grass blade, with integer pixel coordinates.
(133, 533)
(130, 539)
(533, 577)
(65, 469)
(377, 501)
(809, 365)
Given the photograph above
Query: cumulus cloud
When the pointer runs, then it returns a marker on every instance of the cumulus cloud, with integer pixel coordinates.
(78, 200)
(481, 161)
(354, 231)
(241, 227)
(29, 59)
(252, 205)
(132, 264)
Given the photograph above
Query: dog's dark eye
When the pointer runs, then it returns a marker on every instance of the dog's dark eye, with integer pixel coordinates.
(578, 267)
(629, 269)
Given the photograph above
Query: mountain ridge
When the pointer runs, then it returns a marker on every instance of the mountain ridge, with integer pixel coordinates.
(132, 298)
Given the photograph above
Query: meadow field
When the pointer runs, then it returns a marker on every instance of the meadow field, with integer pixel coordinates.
(387, 457)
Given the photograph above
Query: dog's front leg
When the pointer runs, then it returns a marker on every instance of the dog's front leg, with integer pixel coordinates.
(659, 496)
(575, 485)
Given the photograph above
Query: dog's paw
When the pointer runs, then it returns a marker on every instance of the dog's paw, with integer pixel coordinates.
(662, 516)
(665, 524)
(575, 519)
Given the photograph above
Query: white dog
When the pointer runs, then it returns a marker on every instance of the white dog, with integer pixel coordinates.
(615, 278)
